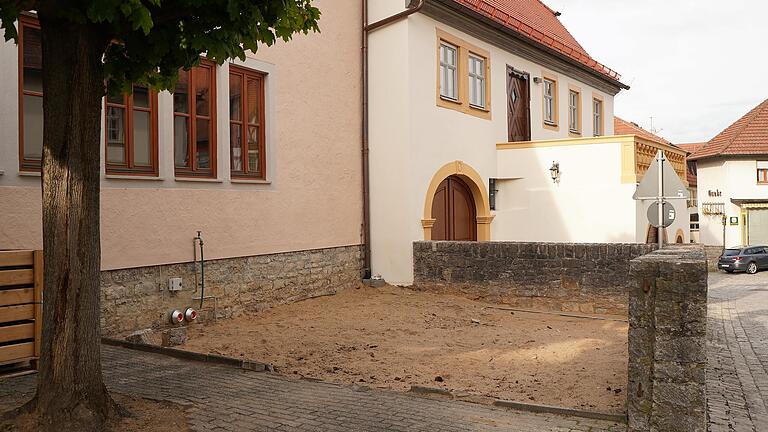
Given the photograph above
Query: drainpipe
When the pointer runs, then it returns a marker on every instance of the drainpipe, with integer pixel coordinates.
(413, 7)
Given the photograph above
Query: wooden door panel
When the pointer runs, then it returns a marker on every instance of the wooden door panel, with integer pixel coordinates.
(462, 212)
(518, 107)
(453, 209)
(440, 212)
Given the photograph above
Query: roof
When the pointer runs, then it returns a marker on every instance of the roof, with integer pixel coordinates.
(690, 147)
(747, 136)
(535, 21)
(623, 127)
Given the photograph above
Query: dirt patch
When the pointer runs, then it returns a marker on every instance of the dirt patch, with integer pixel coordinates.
(144, 416)
(394, 338)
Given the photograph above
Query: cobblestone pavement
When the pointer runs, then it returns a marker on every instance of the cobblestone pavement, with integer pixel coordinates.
(737, 372)
(221, 398)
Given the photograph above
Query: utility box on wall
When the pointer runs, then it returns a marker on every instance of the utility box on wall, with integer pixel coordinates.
(174, 284)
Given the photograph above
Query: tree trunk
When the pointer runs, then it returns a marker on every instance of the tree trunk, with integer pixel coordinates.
(70, 392)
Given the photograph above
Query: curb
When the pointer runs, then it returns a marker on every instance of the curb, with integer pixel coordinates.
(618, 418)
(189, 355)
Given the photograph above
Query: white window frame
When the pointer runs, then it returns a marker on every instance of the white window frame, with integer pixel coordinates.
(549, 89)
(477, 80)
(574, 98)
(449, 71)
(597, 117)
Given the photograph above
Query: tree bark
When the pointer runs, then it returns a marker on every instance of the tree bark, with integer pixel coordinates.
(70, 391)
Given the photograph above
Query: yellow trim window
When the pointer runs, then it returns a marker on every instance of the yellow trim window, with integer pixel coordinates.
(597, 117)
(476, 81)
(574, 99)
(448, 71)
(549, 101)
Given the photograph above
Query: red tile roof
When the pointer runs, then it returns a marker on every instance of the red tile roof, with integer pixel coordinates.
(623, 127)
(747, 136)
(534, 20)
(690, 147)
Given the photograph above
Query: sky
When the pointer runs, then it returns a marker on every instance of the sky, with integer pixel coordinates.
(695, 66)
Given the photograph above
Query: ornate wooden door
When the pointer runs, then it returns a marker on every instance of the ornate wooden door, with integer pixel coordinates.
(454, 211)
(518, 106)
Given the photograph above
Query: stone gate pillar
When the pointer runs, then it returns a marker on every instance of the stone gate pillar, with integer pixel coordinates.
(667, 341)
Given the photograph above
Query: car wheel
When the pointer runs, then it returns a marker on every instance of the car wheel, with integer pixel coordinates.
(752, 268)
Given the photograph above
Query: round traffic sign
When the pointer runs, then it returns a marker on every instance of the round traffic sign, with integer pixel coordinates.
(668, 214)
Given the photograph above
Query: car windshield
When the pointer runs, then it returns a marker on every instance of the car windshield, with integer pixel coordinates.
(731, 252)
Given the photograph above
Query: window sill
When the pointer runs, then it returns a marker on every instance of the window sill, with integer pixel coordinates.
(30, 173)
(574, 134)
(479, 108)
(198, 180)
(250, 181)
(447, 99)
(132, 177)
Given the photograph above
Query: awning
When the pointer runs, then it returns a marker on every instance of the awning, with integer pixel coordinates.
(749, 203)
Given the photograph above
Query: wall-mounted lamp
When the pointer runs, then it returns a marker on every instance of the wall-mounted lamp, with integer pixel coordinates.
(537, 80)
(555, 172)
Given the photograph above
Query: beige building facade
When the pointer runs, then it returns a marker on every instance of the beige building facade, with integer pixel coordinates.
(264, 159)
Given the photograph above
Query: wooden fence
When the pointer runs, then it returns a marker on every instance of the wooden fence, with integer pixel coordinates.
(21, 294)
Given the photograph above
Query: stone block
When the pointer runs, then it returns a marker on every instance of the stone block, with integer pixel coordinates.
(174, 336)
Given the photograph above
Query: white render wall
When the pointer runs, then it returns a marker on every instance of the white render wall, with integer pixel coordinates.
(735, 178)
(587, 205)
(411, 138)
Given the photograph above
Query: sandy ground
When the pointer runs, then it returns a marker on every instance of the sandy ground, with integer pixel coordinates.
(394, 338)
(144, 415)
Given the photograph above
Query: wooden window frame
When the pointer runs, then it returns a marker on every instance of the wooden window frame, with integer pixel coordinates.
(463, 51)
(483, 78)
(758, 169)
(192, 170)
(577, 131)
(129, 168)
(246, 73)
(454, 67)
(25, 165)
(554, 123)
(601, 114)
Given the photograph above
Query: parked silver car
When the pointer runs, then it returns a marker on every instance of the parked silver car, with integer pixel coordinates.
(748, 259)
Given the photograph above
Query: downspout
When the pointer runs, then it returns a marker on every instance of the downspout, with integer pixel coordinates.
(413, 7)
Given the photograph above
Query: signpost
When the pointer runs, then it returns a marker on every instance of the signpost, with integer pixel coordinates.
(660, 183)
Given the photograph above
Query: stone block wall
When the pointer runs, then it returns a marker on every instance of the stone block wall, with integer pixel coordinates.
(138, 298)
(713, 254)
(589, 278)
(667, 337)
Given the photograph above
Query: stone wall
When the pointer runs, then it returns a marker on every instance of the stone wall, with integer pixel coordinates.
(138, 298)
(589, 278)
(713, 254)
(667, 341)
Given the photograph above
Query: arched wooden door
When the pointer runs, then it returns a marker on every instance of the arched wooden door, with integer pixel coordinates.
(454, 211)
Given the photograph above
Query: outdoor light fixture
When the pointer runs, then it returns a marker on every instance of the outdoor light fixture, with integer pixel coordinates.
(537, 80)
(555, 172)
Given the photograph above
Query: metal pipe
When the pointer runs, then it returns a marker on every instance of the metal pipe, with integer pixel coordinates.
(366, 29)
(199, 239)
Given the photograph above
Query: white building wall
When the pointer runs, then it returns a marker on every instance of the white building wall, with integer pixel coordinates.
(735, 179)
(411, 138)
(587, 205)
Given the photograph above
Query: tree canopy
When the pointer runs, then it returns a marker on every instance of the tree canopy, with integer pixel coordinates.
(149, 40)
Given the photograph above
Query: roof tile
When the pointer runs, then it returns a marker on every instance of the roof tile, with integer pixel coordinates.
(623, 127)
(746, 136)
(534, 19)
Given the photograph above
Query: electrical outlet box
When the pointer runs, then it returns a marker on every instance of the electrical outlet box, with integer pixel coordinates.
(174, 284)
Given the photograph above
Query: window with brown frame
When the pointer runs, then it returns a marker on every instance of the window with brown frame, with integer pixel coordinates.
(30, 95)
(194, 121)
(131, 132)
(762, 172)
(246, 123)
